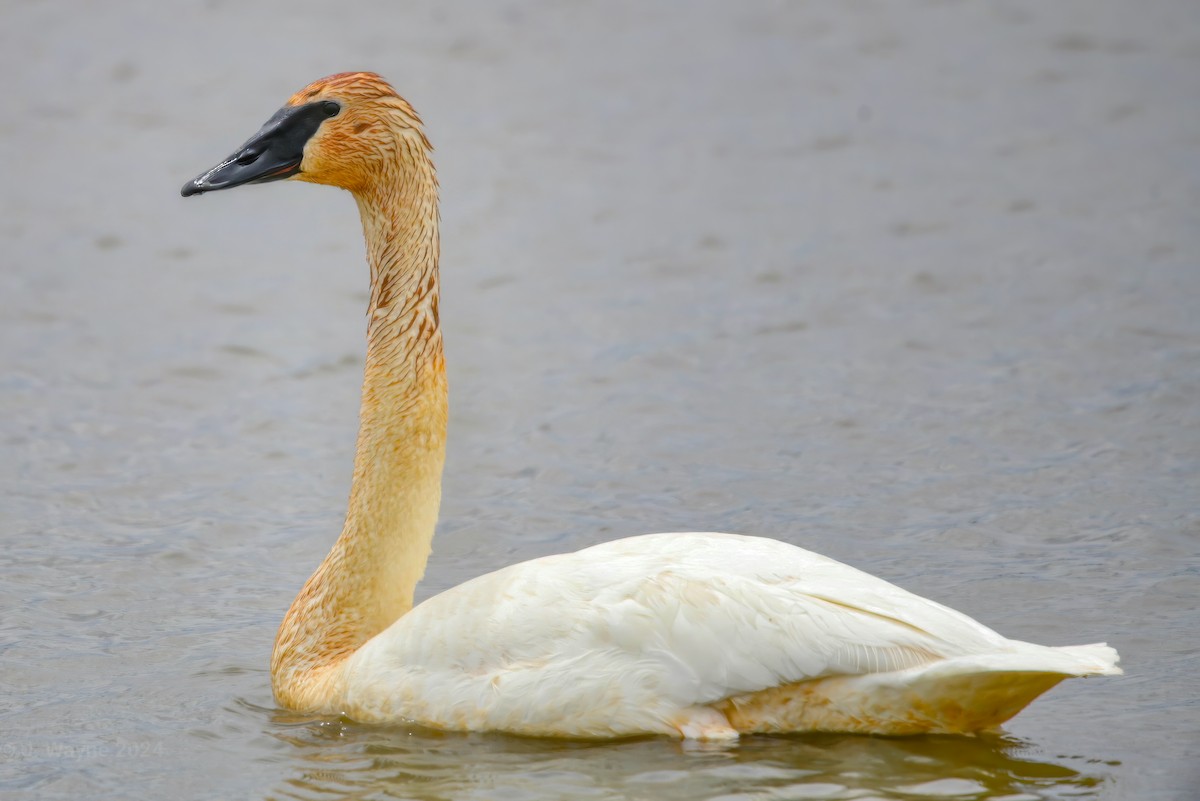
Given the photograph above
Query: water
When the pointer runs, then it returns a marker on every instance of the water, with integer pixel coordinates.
(913, 285)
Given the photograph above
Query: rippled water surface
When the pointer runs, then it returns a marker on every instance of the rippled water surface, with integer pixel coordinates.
(915, 285)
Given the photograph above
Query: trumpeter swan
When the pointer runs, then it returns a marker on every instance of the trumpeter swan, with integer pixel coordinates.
(692, 635)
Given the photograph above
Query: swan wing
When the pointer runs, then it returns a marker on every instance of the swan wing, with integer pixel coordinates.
(625, 634)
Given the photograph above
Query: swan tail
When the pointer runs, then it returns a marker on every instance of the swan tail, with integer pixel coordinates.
(959, 695)
(1097, 659)
(978, 693)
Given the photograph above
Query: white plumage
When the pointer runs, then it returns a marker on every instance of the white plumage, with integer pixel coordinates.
(655, 634)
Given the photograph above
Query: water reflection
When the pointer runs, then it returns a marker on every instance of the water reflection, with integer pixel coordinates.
(339, 759)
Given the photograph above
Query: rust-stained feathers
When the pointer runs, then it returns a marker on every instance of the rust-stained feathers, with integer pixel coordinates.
(702, 636)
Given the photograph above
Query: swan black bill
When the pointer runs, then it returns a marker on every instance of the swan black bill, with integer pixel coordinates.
(272, 154)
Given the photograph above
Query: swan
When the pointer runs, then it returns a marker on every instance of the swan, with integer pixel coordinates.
(694, 635)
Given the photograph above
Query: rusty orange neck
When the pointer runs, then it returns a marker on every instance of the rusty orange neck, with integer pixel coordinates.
(368, 579)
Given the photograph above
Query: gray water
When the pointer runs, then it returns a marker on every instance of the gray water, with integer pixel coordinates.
(914, 285)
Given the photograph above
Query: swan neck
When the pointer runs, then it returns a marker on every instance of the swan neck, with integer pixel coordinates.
(368, 579)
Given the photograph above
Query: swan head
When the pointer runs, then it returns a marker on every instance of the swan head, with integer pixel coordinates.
(349, 130)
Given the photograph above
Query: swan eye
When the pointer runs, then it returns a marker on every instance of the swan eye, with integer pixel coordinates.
(331, 108)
